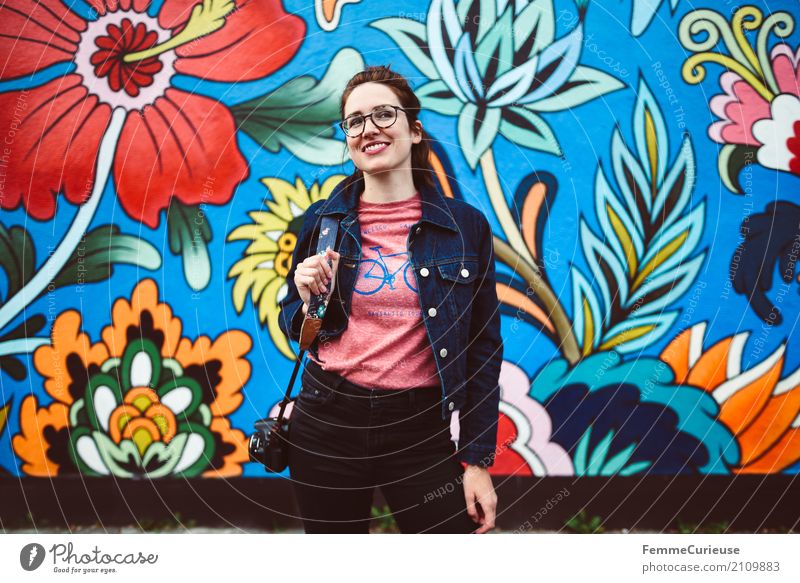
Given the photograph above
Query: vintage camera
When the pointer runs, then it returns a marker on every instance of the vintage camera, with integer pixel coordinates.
(269, 444)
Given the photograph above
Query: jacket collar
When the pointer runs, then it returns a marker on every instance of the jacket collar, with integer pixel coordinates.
(344, 200)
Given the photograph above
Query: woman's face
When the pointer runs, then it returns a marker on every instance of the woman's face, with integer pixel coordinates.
(394, 143)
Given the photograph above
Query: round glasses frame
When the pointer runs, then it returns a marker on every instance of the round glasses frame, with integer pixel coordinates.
(374, 121)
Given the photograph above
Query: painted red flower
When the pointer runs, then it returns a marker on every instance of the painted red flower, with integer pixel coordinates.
(173, 143)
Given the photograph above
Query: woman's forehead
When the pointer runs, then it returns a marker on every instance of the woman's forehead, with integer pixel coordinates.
(368, 96)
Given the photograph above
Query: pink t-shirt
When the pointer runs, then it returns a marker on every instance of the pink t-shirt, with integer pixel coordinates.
(385, 344)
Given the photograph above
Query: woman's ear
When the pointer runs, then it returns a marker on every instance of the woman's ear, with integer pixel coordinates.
(417, 132)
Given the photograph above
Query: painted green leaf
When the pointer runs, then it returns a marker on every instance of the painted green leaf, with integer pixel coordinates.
(17, 257)
(411, 37)
(585, 84)
(494, 54)
(93, 260)
(301, 114)
(189, 235)
(534, 28)
(437, 97)
(525, 128)
(477, 129)
(732, 159)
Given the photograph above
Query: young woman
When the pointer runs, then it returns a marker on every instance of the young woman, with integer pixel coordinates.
(411, 333)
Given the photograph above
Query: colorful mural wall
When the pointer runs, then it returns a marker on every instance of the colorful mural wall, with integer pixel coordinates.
(639, 162)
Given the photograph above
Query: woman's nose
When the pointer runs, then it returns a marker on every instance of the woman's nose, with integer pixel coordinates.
(367, 123)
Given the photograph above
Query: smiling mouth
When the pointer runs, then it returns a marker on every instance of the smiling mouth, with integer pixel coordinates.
(374, 147)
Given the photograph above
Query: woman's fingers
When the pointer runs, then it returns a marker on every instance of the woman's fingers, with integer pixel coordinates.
(332, 269)
(307, 282)
(314, 273)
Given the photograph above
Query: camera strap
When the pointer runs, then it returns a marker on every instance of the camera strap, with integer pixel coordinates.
(312, 322)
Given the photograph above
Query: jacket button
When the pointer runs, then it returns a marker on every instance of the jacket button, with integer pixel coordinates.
(424, 272)
(432, 312)
(443, 352)
(465, 272)
(451, 406)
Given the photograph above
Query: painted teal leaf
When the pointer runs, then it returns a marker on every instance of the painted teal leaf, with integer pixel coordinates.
(301, 114)
(189, 235)
(437, 97)
(645, 102)
(581, 452)
(94, 259)
(527, 129)
(480, 12)
(534, 28)
(494, 53)
(605, 197)
(606, 268)
(411, 37)
(667, 287)
(582, 290)
(677, 187)
(477, 129)
(631, 179)
(643, 13)
(467, 69)
(513, 85)
(617, 462)
(660, 323)
(443, 32)
(692, 224)
(557, 63)
(585, 84)
(595, 465)
(635, 468)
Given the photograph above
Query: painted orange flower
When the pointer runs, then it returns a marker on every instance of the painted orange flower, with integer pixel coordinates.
(144, 401)
(759, 405)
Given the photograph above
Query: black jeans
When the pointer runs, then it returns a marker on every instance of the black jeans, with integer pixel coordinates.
(345, 440)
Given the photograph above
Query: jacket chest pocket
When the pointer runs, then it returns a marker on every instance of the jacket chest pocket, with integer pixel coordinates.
(458, 287)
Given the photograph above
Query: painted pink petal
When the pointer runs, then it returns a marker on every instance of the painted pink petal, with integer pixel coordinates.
(739, 107)
(183, 146)
(533, 425)
(786, 68)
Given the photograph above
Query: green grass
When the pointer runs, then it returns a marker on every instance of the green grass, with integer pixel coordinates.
(383, 521)
(581, 523)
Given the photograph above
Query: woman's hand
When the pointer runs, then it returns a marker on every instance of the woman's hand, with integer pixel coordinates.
(314, 274)
(481, 498)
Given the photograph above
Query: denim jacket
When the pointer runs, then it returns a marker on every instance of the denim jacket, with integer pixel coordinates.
(451, 252)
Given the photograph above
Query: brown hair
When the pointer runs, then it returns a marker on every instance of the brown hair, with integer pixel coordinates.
(421, 168)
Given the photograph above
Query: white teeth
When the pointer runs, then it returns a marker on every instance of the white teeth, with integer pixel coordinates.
(374, 146)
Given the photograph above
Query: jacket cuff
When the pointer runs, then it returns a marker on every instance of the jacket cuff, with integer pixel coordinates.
(295, 324)
(477, 455)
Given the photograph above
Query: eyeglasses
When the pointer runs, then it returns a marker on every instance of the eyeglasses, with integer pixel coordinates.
(383, 117)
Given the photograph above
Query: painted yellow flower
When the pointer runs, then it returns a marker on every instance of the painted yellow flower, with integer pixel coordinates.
(265, 263)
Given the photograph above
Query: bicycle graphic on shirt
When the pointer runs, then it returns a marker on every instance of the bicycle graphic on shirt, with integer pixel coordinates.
(376, 274)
